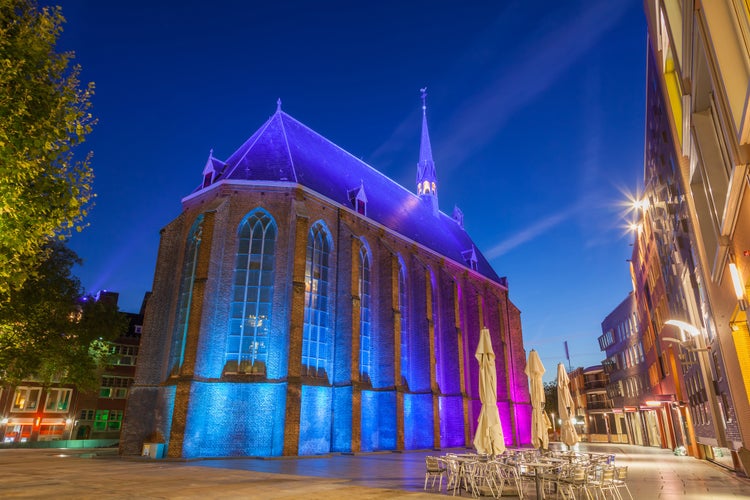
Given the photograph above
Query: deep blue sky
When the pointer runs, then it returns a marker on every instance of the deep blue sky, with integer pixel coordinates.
(535, 112)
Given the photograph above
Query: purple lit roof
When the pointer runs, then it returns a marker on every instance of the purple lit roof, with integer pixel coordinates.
(285, 150)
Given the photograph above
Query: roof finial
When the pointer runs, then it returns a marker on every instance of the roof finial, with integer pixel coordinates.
(278, 104)
(426, 177)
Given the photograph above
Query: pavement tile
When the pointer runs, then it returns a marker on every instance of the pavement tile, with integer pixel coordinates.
(101, 474)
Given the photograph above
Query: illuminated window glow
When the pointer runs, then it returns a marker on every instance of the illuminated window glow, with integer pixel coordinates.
(403, 310)
(250, 318)
(26, 398)
(316, 330)
(58, 400)
(365, 338)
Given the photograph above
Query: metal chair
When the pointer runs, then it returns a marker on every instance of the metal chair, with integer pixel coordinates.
(620, 481)
(603, 482)
(576, 482)
(436, 469)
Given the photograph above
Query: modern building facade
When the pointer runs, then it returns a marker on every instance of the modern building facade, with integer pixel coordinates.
(700, 49)
(625, 365)
(588, 387)
(304, 303)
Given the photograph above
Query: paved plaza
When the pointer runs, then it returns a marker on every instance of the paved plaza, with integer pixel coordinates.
(50, 473)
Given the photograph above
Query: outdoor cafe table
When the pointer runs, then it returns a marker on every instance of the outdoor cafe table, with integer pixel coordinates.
(462, 477)
(539, 467)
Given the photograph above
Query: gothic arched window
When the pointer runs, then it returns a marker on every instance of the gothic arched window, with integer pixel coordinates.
(365, 334)
(316, 330)
(404, 311)
(252, 291)
(187, 278)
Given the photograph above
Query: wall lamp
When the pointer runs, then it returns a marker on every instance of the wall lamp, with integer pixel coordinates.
(685, 327)
(739, 285)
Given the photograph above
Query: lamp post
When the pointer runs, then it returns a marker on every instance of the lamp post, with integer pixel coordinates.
(553, 424)
(703, 364)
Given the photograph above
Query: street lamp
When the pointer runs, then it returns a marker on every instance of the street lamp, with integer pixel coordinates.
(553, 423)
(703, 361)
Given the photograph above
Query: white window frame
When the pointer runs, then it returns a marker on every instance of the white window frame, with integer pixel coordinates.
(29, 403)
(54, 397)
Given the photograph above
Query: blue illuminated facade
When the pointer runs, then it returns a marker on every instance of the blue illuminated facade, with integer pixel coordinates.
(304, 303)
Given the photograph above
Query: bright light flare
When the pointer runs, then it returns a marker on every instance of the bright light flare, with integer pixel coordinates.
(739, 286)
(687, 327)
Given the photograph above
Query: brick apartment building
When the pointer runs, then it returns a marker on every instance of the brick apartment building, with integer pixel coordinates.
(31, 412)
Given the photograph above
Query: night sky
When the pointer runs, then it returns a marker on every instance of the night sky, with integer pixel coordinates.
(535, 109)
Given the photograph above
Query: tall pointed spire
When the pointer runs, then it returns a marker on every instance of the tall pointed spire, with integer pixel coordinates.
(426, 176)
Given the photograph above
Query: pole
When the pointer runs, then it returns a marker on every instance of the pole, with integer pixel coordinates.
(553, 425)
(703, 363)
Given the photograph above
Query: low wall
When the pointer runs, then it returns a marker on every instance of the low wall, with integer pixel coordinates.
(65, 443)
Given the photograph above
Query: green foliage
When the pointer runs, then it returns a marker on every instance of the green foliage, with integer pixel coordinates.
(49, 333)
(45, 192)
(550, 397)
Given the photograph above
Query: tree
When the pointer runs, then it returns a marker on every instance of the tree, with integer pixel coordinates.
(50, 332)
(550, 398)
(45, 192)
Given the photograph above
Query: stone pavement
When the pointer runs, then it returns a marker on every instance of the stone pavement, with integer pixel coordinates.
(101, 474)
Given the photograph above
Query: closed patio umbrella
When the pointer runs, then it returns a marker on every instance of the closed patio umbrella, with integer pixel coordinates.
(535, 370)
(489, 436)
(566, 407)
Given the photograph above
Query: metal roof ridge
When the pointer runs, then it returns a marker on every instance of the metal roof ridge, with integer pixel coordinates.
(258, 134)
(381, 174)
(286, 142)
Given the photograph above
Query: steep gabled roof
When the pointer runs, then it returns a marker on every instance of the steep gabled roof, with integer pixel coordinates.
(285, 150)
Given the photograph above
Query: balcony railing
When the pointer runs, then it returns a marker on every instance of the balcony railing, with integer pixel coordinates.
(595, 384)
(597, 405)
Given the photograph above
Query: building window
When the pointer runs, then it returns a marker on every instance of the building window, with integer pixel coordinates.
(115, 387)
(123, 355)
(26, 398)
(58, 400)
(316, 329)
(404, 321)
(115, 420)
(435, 326)
(250, 318)
(177, 352)
(100, 422)
(365, 338)
(86, 415)
(50, 432)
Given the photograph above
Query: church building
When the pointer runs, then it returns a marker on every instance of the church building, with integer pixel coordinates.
(304, 303)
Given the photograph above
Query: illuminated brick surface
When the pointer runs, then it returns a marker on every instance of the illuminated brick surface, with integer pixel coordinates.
(210, 407)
